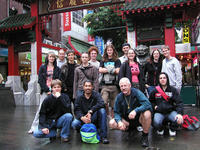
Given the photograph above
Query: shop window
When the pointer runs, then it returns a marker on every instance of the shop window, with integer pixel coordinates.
(77, 17)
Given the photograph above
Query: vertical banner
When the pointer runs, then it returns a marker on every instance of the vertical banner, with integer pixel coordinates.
(100, 44)
(67, 21)
(186, 35)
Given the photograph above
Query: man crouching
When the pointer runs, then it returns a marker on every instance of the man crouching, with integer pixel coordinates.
(131, 109)
(55, 113)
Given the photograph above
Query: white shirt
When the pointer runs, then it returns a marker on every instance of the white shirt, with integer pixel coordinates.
(123, 59)
(60, 63)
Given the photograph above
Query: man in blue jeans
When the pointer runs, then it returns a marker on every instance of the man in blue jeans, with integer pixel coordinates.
(90, 108)
(167, 105)
(55, 113)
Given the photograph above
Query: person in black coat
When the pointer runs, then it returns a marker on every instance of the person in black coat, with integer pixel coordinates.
(47, 72)
(167, 105)
(152, 70)
(133, 71)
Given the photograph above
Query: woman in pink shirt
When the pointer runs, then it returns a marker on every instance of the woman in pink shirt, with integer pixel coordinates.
(133, 70)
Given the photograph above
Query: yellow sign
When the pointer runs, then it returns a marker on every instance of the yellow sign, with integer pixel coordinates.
(186, 35)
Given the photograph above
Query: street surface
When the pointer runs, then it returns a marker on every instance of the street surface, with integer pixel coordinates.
(15, 122)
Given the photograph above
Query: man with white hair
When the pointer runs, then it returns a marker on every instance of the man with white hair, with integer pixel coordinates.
(131, 109)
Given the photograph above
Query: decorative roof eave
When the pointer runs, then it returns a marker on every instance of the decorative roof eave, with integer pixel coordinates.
(17, 22)
(156, 8)
(28, 26)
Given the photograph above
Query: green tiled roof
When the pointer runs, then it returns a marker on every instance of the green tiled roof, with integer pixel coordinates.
(145, 4)
(16, 21)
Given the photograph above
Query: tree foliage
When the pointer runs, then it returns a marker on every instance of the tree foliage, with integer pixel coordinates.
(108, 25)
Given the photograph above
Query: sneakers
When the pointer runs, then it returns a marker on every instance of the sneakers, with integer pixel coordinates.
(144, 141)
(172, 132)
(30, 131)
(160, 132)
(64, 140)
(105, 141)
(139, 128)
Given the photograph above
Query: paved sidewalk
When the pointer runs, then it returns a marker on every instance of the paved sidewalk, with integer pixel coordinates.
(14, 124)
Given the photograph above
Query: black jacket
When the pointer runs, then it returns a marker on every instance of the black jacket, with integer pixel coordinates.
(83, 105)
(173, 104)
(52, 108)
(64, 74)
(42, 77)
(125, 71)
(153, 70)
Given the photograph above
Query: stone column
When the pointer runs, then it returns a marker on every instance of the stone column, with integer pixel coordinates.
(32, 95)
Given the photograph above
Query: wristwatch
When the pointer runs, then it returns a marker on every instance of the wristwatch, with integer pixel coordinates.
(90, 111)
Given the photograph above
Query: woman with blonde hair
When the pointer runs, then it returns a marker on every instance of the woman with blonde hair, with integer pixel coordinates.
(47, 72)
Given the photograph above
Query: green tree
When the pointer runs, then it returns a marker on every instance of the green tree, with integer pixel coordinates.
(108, 25)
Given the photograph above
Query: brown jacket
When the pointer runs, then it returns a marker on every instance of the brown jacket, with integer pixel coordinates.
(92, 74)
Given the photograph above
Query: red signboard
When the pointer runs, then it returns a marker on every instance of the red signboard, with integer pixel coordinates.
(67, 21)
(90, 38)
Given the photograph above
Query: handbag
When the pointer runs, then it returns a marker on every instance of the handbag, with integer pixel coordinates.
(190, 123)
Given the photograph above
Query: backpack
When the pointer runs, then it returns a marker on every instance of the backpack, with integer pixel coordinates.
(190, 123)
(89, 133)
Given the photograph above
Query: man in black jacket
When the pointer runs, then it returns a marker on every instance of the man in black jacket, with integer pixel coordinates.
(55, 113)
(167, 105)
(90, 108)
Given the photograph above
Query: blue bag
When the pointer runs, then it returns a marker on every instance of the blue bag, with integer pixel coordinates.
(89, 133)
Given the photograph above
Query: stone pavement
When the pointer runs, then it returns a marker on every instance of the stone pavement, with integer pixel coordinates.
(15, 122)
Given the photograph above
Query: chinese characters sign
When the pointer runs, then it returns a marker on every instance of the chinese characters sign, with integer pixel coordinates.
(56, 6)
(186, 35)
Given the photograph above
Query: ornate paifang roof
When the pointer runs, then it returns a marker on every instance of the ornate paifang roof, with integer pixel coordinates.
(17, 22)
(139, 6)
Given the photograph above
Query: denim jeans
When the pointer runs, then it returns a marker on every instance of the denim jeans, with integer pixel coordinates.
(150, 89)
(64, 122)
(158, 120)
(99, 118)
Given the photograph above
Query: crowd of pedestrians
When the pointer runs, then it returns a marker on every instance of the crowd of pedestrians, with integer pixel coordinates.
(119, 90)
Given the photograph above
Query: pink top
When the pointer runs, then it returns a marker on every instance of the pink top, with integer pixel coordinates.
(135, 72)
(49, 76)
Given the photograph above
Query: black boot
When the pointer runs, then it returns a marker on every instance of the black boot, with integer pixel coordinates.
(144, 140)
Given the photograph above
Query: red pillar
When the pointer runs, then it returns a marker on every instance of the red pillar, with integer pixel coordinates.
(13, 62)
(170, 39)
(34, 13)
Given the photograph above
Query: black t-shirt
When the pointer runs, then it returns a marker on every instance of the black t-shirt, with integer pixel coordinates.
(109, 78)
(116, 63)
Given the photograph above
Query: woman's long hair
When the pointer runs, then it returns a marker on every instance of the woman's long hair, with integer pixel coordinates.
(105, 55)
(135, 58)
(47, 60)
(160, 56)
(166, 77)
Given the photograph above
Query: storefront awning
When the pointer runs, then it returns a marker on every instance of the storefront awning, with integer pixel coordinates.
(79, 46)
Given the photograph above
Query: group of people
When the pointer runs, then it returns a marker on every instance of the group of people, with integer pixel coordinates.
(93, 88)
